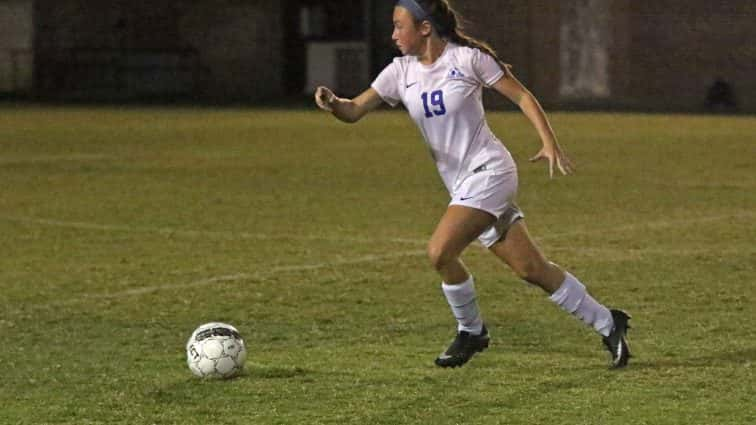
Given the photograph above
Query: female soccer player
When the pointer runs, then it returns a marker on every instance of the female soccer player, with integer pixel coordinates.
(439, 80)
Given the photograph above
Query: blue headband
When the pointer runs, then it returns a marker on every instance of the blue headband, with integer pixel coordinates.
(417, 11)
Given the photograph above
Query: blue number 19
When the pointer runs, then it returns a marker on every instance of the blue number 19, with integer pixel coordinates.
(436, 99)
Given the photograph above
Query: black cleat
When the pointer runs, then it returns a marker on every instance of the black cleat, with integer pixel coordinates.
(616, 342)
(465, 345)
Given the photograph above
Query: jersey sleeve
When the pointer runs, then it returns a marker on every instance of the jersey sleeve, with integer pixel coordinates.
(487, 70)
(387, 84)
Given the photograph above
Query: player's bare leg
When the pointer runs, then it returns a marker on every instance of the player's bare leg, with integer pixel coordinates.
(519, 251)
(522, 255)
(456, 230)
(458, 227)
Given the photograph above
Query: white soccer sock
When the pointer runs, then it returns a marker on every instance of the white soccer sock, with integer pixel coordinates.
(573, 298)
(464, 305)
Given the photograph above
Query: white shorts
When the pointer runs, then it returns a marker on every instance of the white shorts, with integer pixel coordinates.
(494, 192)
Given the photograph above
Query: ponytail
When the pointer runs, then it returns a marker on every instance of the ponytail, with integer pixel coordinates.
(449, 26)
(459, 37)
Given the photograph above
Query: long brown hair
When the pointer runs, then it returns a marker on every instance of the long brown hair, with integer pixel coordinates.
(449, 25)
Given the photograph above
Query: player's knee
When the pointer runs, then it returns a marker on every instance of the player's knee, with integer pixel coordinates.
(439, 256)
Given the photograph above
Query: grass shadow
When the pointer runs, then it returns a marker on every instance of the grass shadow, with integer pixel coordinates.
(273, 372)
(731, 357)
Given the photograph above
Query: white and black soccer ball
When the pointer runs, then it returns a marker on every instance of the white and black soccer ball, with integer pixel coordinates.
(216, 350)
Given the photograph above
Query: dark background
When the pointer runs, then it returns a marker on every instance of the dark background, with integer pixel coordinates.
(662, 55)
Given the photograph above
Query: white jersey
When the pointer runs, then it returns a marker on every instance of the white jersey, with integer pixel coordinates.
(445, 100)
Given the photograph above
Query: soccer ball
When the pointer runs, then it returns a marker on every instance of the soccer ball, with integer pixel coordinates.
(216, 350)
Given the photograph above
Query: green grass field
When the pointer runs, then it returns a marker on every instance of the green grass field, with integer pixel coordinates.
(124, 229)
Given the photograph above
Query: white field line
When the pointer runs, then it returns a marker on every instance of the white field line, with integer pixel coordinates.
(316, 266)
(273, 271)
(53, 158)
(655, 224)
(228, 235)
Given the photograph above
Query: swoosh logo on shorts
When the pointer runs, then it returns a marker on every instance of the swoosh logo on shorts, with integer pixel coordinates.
(410, 85)
(464, 199)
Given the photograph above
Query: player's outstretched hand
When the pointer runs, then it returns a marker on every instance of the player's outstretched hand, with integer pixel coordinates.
(555, 156)
(324, 98)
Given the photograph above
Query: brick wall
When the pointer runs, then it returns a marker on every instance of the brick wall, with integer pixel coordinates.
(525, 34)
(240, 45)
(674, 53)
(214, 49)
(663, 55)
(16, 36)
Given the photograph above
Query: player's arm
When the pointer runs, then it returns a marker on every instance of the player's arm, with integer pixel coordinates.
(347, 110)
(512, 89)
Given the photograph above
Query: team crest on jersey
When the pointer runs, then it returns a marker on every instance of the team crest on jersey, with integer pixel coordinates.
(455, 73)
